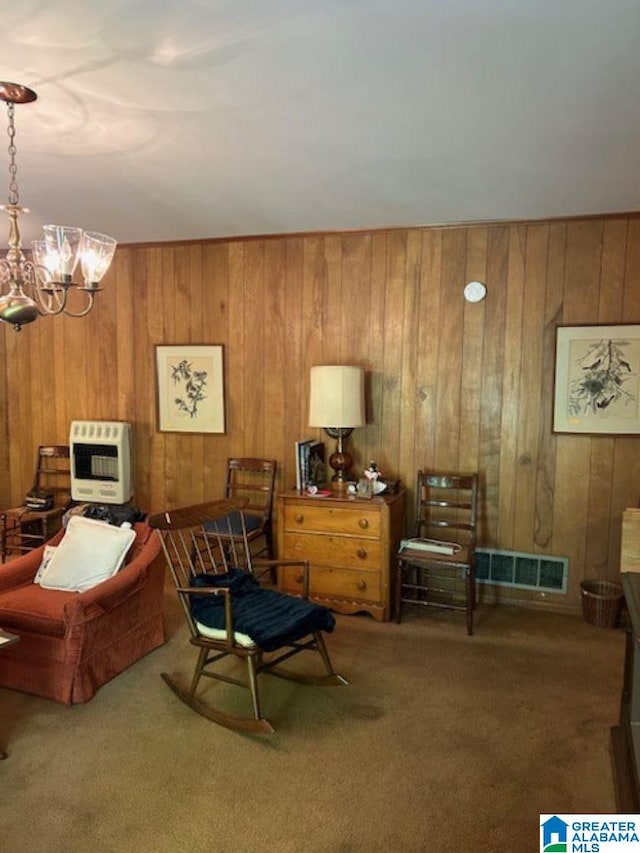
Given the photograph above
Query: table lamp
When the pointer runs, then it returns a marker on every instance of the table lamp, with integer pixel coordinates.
(337, 406)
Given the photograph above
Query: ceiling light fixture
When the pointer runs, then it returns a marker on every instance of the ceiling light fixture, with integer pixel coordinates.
(41, 286)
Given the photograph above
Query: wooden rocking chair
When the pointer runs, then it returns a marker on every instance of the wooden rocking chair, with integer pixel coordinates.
(230, 614)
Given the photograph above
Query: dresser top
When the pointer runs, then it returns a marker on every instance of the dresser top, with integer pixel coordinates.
(346, 500)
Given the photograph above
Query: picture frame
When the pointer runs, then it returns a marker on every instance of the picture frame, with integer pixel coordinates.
(190, 388)
(597, 379)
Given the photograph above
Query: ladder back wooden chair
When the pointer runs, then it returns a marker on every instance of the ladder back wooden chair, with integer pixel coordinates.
(253, 481)
(26, 527)
(231, 615)
(435, 568)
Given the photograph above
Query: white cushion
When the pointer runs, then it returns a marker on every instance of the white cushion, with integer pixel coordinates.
(241, 639)
(90, 552)
(47, 556)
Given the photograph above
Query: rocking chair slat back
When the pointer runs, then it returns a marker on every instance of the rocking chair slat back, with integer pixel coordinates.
(190, 550)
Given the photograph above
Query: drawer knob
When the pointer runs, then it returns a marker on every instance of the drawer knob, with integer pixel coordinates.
(299, 517)
(362, 585)
(361, 553)
(364, 523)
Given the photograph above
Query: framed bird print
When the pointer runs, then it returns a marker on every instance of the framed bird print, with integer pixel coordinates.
(597, 375)
(190, 386)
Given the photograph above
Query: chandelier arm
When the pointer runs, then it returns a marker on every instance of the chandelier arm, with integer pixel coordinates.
(51, 297)
(89, 305)
(51, 300)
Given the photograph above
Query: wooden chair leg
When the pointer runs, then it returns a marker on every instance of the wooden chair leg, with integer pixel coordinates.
(3, 538)
(273, 571)
(253, 684)
(324, 654)
(399, 593)
(200, 664)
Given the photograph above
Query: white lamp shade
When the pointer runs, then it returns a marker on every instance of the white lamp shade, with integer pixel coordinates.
(337, 396)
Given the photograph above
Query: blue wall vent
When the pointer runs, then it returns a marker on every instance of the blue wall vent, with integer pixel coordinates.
(539, 572)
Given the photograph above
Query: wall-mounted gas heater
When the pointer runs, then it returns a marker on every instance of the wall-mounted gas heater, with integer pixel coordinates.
(100, 461)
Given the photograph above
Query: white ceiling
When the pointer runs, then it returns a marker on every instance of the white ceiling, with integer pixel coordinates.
(160, 120)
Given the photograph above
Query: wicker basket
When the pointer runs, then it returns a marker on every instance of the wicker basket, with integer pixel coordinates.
(601, 603)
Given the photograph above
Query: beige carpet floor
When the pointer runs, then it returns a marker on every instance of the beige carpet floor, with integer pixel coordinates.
(440, 743)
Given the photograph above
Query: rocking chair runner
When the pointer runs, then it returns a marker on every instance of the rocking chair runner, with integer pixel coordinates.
(230, 614)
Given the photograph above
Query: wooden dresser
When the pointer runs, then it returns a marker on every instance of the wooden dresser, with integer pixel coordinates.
(351, 544)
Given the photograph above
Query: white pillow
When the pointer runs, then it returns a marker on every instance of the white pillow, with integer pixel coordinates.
(47, 556)
(90, 552)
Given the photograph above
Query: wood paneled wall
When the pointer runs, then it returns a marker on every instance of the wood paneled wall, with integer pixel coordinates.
(450, 384)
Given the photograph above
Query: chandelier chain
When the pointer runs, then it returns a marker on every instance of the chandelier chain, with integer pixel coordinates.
(13, 169)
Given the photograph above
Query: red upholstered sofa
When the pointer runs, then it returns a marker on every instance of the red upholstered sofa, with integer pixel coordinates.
(71, 643)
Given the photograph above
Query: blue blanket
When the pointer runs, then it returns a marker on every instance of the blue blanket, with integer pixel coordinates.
(270, 618)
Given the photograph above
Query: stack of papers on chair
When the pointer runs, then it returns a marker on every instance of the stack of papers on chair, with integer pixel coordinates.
(435, 546)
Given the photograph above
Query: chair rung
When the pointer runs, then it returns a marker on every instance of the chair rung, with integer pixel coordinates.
(439, 604)
(226, 678)
(432, 589)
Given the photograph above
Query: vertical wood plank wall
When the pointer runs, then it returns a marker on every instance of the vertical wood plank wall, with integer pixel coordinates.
(450, 384)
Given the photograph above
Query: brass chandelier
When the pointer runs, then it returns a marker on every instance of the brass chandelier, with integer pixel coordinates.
(41, 286)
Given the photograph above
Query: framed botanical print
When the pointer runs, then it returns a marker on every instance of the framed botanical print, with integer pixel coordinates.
(597, 378)
(190, 388)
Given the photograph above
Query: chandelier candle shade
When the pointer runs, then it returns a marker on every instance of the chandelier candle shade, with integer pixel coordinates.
(41, 286)
(337, 405)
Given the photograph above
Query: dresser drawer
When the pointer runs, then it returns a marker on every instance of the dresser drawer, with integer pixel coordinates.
(325, 518)
(350, 544)
(345, 551)
(327, 582)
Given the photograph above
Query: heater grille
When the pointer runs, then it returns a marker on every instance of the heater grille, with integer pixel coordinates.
(523, 571)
